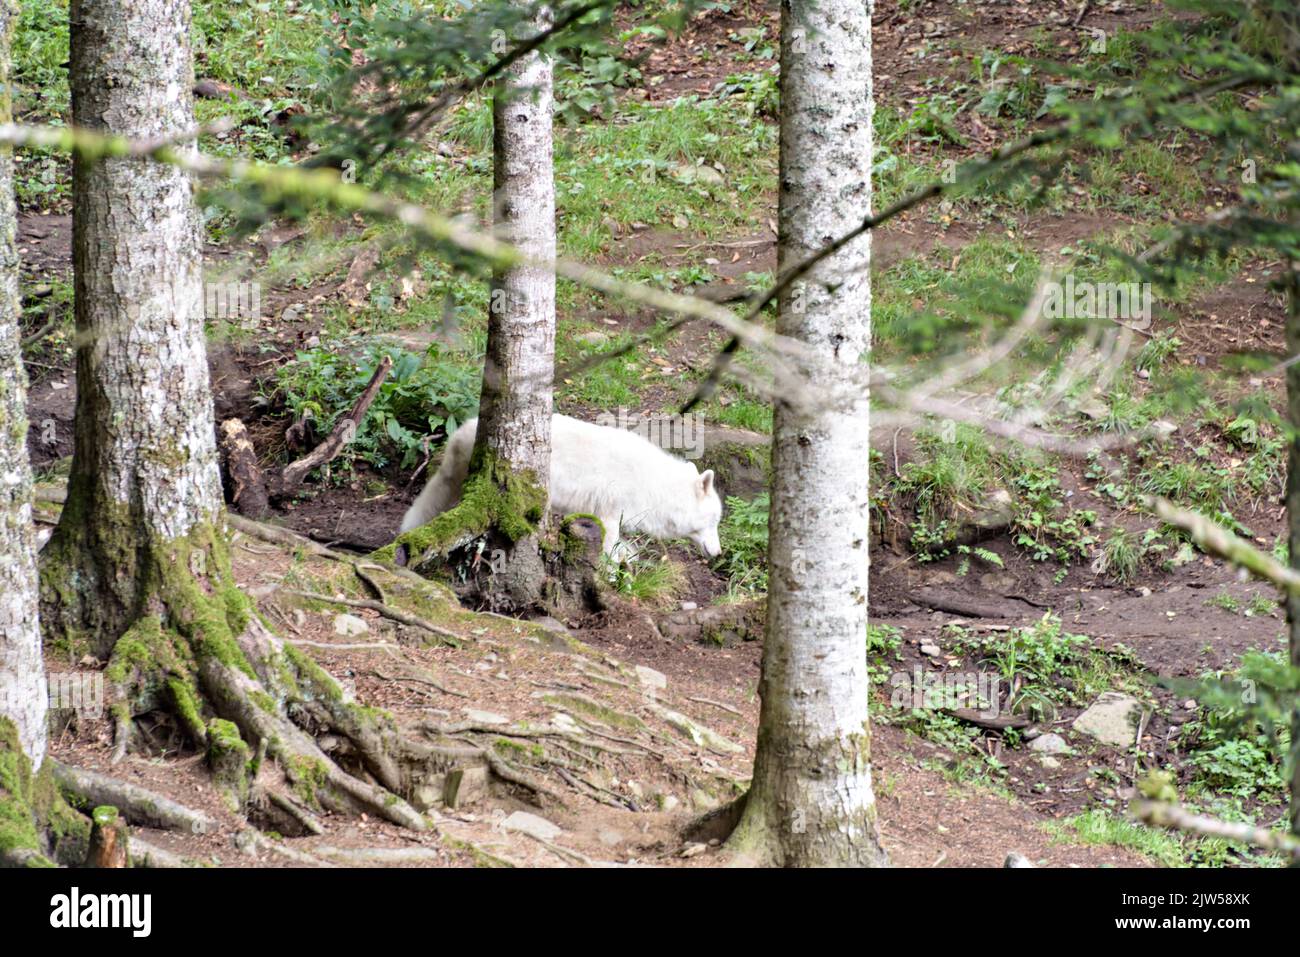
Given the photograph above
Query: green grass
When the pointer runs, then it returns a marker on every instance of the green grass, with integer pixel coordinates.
(650, 578)
(1099, 827)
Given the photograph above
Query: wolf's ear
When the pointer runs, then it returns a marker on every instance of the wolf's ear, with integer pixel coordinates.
(706, 482)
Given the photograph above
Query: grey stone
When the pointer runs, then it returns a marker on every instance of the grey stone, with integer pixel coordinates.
(485, 717)
(650, 678)
(1049, 743)
(532, 825)
(1111, 719)
(350, 626)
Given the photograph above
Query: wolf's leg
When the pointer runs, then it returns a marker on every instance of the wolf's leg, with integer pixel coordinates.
(611, 533)
(443, 490)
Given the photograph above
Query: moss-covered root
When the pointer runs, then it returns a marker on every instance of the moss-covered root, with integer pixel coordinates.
(229, 759)
(494, 498)
(201, 651)
(36, 827)
(244, 700)
(21, 843)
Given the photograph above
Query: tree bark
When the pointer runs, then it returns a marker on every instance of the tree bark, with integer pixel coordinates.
(144, 470)
(811, 801)
(23, 695)
(1293, 512)
(513, 442)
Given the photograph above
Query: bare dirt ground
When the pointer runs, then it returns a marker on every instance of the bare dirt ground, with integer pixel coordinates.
(518, 678)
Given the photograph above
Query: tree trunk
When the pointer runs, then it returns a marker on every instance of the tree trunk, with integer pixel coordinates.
(144, 472)
(513, 442)
(23, 696)
(811, 802)
(1293, 512)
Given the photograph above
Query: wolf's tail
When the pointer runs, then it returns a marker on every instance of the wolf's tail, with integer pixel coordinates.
(443, 490)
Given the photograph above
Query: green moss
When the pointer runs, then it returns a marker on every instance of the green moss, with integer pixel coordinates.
(494, 497)
(573, 547)
(594, 709)
(223, 735)
(18, 830)
(68, 829)
(186, 707)
(308, 776)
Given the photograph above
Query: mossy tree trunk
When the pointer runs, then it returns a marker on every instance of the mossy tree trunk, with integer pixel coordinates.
(513, 443)
(138, 570)
(23, 698)
(811, 801)
(144, 471)
(36, 827)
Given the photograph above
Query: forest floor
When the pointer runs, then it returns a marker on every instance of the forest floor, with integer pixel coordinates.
(951, 793)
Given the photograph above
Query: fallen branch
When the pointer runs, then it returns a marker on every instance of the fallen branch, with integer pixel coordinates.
(1173, 817)
(247, 484)
(344, 431)
(387, 856)
(1217, 540)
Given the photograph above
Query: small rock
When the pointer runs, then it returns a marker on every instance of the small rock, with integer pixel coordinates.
(1094, 409)
(1050, 743)
(1162, 429)
(669, 802)
(1049, 762)
(532, 825)
(930, 650)
(350, 626)
(485, 717)
(694, 850)
(1111, 719)
(1017, 860)
(610, 837)
(564, 722)
(650, 678)
(689, 606)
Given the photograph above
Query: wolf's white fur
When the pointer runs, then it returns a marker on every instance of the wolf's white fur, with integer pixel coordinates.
(625, 481)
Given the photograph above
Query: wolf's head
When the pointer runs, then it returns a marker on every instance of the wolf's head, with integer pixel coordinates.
(706, 515)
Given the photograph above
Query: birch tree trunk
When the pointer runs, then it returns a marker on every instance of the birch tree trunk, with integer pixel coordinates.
(811, 801)
(144, 473)
(23, 696)
(513, 442)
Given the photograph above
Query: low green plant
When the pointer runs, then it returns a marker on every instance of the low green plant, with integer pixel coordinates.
(422, 396)
(743, 532)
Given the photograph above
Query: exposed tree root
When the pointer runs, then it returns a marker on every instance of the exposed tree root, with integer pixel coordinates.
(90, 789)
(388, 611)
(144, 854)
(250, 841)
(387, 856)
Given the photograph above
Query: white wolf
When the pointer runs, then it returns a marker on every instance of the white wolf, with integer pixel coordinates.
(622, 479)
